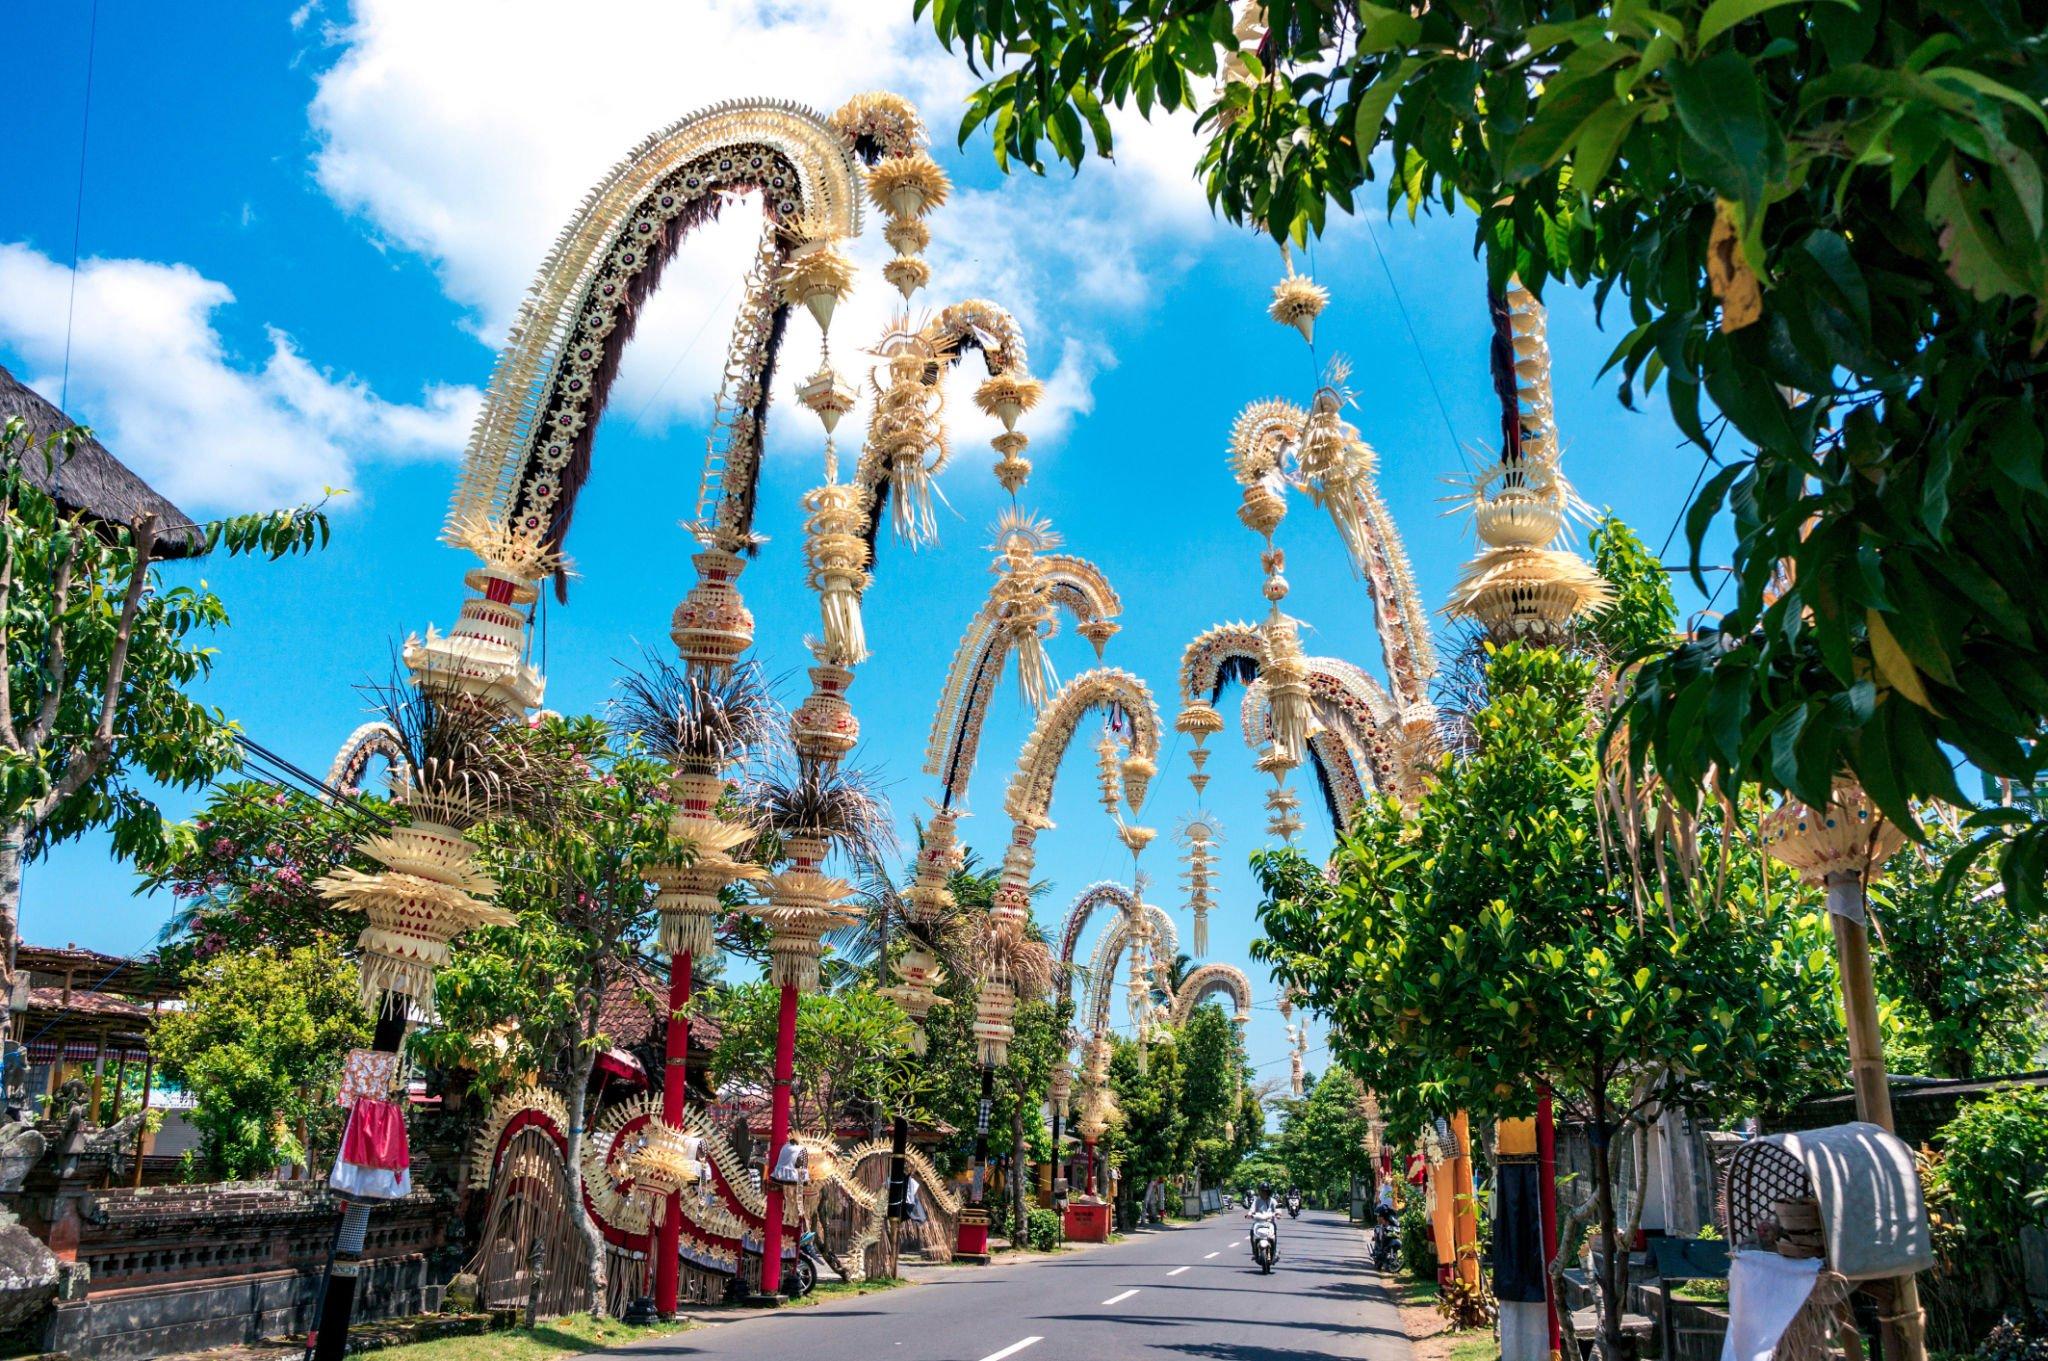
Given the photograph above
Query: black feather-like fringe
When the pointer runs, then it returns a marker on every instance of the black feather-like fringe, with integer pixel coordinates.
(748, 494)
(639, 288)
(1329, 791)
(1501, 359)
(1233, 671)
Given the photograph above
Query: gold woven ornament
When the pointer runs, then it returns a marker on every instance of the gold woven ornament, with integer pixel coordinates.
(818, 275)
(1285, 672)
(1136, 838)
(884, 121)
(1007, 396)
(1263, 508)
(907, 438)
(828, 396)
(907, 235)
(804, 903)
(687, 896)
(1060, 1089)
(1107, 777)
(995, 1010)
(1021, 601)
(662, 1165)
(823, 728)
(1199, 834)
(427, 894)
(929, 895)
(907, 273)
(1012, 469)
(909, 185)
(837, 552)
(1519, 585)
(918, 979)
(1198, 719)
(1284, 807)
(483, 657)
(1297, 302)
(712, 626)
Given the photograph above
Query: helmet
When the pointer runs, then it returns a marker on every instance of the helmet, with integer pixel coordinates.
(1266, 1189)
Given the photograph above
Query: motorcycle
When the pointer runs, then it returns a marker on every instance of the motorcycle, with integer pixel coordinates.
(1265, 1243)
(802, 1276)
(1385, 1243)
(1294, 1205)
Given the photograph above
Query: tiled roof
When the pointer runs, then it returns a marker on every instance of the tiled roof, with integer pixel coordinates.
(96, 1005)
(634, 1008)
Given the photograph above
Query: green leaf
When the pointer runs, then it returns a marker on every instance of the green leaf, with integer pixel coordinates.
(1730, 141)
(1723, 15)
(1985, 85)
(1599, 141)
(1975, 258)
(1560, 119)
(1374, 103)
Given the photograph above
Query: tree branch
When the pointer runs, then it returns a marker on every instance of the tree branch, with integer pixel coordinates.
(88, 764)
(7, 732)
(45, 721)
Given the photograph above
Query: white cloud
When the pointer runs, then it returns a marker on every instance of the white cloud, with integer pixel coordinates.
(468, 131)
(153, 376)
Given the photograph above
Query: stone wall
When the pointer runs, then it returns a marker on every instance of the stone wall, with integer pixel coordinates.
(182, 1268)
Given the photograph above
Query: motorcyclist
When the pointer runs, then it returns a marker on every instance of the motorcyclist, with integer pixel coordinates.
(1264, 1210)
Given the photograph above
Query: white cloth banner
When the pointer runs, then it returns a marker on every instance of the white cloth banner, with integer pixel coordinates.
(1765, 1293)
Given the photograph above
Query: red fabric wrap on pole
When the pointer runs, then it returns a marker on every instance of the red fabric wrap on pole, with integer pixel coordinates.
(675, 1082)
(376, 1137)
(778, 1135)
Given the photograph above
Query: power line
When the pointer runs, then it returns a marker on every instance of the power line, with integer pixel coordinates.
(78, 203)
(1449, 428)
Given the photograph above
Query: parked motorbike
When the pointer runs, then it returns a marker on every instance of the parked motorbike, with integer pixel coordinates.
(801, 1276)
(1265, 1243)
(1385, 1243)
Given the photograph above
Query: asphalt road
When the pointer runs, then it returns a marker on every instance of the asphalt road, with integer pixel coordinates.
(1163, 1295)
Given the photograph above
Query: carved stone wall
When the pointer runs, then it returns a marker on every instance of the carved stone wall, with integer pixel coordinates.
(176, 1269)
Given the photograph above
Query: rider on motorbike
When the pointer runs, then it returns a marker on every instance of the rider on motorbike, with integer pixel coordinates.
(1264, 1213)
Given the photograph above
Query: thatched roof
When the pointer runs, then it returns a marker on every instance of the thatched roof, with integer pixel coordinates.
(92, 481)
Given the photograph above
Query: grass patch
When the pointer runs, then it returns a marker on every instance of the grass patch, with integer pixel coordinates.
(838, 1290)
(1713, 1292)
(1476, 1345)
(570, 1335)
(1419, 1292)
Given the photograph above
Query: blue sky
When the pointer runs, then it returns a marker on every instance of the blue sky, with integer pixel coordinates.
(301, 236)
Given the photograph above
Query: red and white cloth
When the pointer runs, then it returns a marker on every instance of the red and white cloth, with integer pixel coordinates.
(375, 1162)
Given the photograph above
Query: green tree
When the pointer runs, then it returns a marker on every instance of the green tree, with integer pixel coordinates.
(576, 880)
(1489, 947)
(1964, 978)
(1641, 615)
(242, 871)
(96, 655)
(1147, 1138)
(1214, 1077)
(259, 1044)
(1822, 219)
(1988, 1182)
(852, 1048)
(1322, 1138)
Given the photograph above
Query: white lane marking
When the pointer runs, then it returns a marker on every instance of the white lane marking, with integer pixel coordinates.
(1238, 1241)
(1013, 1349)
(1212, 1254)
(1176, 1271)
(1113, 1299)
